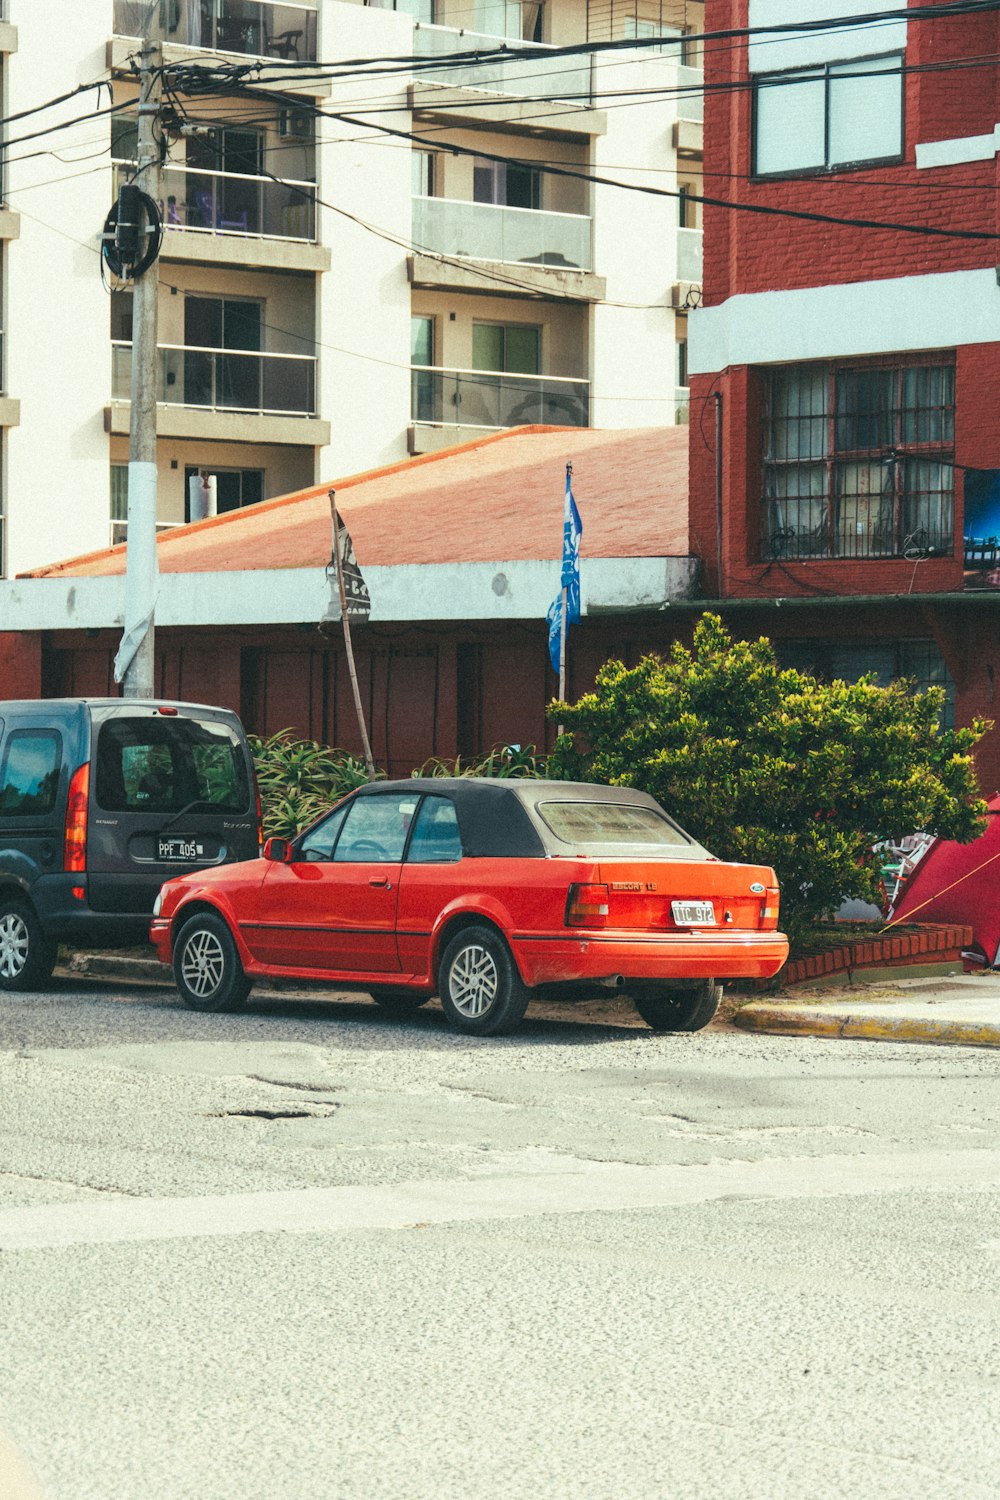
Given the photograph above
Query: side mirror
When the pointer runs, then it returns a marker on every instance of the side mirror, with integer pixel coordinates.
(278, 850)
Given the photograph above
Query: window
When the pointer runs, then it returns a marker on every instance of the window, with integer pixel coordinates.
(424, 166)
(30, 777)
(229, 202)
(119, 503)
(163, 766)
(919, 661)
(610, 823)
(859, 462)
(318, 844)
(425, 395)
(435, 838)
(687, 207)
(506, 347)
(682, 358)
(124, 138)
(234, 488)
(831, 116)
(376, 827)
(673, 36)
(512, 184)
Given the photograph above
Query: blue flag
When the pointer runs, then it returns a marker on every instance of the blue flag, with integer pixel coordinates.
(570, 579)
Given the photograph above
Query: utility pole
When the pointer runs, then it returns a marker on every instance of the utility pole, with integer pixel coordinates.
(141, 571)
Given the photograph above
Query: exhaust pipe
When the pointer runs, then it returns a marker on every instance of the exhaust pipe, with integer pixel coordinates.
(612, 982)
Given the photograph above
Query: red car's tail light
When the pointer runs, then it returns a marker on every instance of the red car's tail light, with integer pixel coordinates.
(75, 841)
(260, 815)
(769, 910)
(587, 906)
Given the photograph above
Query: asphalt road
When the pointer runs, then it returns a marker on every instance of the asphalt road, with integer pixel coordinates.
(313, 1253)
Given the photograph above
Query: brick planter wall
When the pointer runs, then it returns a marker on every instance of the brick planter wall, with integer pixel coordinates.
(932, 944)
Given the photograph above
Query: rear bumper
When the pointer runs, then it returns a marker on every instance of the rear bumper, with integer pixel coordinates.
(560, 959)
(69, 920)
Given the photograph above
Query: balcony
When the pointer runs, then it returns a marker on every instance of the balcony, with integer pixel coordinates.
(230, 203)
(231, 380)
(452, 399)
(488, 231)
(552, 77)
(256, 28)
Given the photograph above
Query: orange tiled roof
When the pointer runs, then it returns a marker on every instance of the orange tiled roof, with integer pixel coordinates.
(497, 499)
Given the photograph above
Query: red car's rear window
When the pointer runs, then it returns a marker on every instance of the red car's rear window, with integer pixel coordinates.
(611, 823)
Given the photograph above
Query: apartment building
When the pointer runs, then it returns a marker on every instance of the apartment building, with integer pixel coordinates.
(845, 436)
(356, 265)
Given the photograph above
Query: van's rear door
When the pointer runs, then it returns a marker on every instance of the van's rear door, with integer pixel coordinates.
(171, 790)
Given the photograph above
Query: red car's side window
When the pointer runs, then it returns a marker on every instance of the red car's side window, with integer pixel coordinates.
(435, 838)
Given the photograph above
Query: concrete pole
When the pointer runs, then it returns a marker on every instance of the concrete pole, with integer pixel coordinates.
(141, 565)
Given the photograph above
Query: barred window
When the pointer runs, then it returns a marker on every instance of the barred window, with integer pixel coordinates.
(919, 661)
(859, 462)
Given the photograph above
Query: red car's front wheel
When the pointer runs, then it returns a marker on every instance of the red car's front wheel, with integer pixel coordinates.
(481, 991)
(207, 968)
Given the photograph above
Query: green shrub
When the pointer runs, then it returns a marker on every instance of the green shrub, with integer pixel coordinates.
(775, 767)
(300, 779)
(502, 761)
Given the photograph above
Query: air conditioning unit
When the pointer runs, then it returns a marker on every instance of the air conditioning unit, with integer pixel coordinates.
(295, 124)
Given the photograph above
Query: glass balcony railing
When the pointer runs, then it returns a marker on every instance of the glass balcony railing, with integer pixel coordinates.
(691, 95)
(225, 380)
(689, 258)
(488, 231)
(482, 398)
(260, 28)
(230, 203)
(567, 78)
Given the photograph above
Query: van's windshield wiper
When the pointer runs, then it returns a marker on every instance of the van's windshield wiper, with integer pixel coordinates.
(190, 807)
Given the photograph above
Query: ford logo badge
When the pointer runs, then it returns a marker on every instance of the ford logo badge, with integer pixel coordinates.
(756, 889)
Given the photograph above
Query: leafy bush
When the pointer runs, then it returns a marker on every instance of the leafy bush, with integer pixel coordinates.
(503, 761)
(774, 767)
(299, 779)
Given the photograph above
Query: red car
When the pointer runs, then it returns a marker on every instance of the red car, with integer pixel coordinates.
(484, 892)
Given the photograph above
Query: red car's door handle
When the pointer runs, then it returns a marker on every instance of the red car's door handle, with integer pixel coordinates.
(381, 880)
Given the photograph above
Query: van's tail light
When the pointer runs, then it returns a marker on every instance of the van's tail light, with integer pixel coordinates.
(260, 815)
(769, 910)
(587, 906)
(75, 844)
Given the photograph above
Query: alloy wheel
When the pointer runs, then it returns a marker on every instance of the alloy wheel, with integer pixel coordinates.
(203, 964)
(473, 981)
(13, 944)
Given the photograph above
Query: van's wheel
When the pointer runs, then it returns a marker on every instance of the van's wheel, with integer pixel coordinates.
(481, 991)
(399, 1001)
(664, 1009)
(27, 956)
(207, 968)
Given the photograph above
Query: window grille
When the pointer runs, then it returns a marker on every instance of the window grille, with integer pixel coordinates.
(859, 462)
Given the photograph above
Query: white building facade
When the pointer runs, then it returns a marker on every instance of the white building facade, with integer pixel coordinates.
(355, 268)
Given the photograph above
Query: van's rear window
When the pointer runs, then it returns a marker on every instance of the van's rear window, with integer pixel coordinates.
(166, 765)
(610, 823)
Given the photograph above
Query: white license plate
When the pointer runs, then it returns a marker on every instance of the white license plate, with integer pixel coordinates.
(178, 849)
(693, 913)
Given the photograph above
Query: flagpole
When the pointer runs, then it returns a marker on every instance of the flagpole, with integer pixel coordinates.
(562, 618)
(369, 763)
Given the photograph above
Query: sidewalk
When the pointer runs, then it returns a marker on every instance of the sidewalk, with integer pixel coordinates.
(949, 1008)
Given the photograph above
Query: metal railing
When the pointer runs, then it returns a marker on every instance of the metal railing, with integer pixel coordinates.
(805, 526)
(225, 379)
(232, 203)
(483, 398)
(689, 254)
(259, 28)
(566, 78)
(119, 529)
(489, 231)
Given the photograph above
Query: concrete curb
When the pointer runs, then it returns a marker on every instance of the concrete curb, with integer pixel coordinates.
(896, 1022)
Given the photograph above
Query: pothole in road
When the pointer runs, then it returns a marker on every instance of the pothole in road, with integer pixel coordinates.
(318, 1112)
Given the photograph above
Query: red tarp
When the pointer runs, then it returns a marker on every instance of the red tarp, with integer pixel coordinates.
(959, 883)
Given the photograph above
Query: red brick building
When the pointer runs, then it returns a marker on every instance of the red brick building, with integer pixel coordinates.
(845, 376)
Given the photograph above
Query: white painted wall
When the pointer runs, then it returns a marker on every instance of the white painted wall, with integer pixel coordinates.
(56, 324)
(364, 312)
(635, 248)
(772, 54)
(862, 317)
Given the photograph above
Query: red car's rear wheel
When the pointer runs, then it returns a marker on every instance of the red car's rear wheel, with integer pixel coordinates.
(481, 991)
